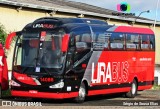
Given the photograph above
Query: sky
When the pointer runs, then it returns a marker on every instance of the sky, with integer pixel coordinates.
(137, 6)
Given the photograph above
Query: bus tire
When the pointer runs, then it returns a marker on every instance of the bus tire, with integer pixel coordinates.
(133, 92)
(81, 94)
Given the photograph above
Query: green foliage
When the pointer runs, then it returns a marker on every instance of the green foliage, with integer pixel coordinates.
(3, 34)
(156, 87)
(6, 93)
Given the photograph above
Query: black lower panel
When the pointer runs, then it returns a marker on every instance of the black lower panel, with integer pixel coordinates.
(123, 85)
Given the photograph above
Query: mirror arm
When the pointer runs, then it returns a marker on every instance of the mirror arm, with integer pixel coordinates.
(10, 38)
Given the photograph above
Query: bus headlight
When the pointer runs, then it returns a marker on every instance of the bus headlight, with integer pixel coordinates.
(13, 83)
(58, 85)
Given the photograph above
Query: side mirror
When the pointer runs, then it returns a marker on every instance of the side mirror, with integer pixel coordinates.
(10, 38)
(80, 46)
(65, 41)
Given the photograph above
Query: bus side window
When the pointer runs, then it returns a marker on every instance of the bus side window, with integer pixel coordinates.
(86, 38)
(117, 41)
(101, 41)
(152, 42)
(145, 42)
(72, 41)
(83, 40)
(101, 38)
(83, 44)
(132, 42)
(77, 38)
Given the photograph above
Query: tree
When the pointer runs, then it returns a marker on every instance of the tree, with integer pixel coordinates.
(3, 34)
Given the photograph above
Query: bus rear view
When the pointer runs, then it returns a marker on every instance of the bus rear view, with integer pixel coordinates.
(73, 58)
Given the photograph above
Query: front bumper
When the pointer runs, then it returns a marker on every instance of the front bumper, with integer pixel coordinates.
(35, 94)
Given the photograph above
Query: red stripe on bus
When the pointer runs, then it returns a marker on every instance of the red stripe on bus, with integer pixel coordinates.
(44, 94)
(145, 87)
(107, 91)
(127, 29)
(9, 39)
(24, 78)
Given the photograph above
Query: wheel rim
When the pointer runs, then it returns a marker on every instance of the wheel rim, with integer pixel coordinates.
(133, 88)
(82, 92)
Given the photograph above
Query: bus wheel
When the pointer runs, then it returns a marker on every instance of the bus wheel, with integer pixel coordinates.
(82, 94)
(133, 92)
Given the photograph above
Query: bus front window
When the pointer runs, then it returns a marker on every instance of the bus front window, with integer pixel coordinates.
(29, 49)
(35, 53)
(50, 55)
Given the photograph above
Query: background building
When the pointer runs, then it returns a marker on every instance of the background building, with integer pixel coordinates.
(15, 14)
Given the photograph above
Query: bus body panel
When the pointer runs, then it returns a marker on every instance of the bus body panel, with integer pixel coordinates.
(111, 65)
(104, 71)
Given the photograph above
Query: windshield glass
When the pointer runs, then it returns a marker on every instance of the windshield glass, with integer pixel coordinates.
(30, 43)
(50, 54)
(32, 52)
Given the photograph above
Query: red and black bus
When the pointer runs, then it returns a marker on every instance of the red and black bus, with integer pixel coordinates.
(78, 57)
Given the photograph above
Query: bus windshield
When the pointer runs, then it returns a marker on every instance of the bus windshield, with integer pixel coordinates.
(31, 52)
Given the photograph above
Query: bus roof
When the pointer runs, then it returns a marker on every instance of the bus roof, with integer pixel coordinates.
(51, 23)
(129, 29)
(71, 23)
(72, 20)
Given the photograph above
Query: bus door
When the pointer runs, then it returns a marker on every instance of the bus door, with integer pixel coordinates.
(79, 53)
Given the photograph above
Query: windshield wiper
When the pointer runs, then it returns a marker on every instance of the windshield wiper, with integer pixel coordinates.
(47, 72)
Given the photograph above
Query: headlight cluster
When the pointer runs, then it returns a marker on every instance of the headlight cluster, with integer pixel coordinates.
(13, 83)
(58, 85)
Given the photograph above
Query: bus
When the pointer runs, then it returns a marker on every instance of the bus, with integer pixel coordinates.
(62, 58)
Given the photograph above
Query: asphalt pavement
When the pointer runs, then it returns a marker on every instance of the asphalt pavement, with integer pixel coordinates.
(150, 98)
